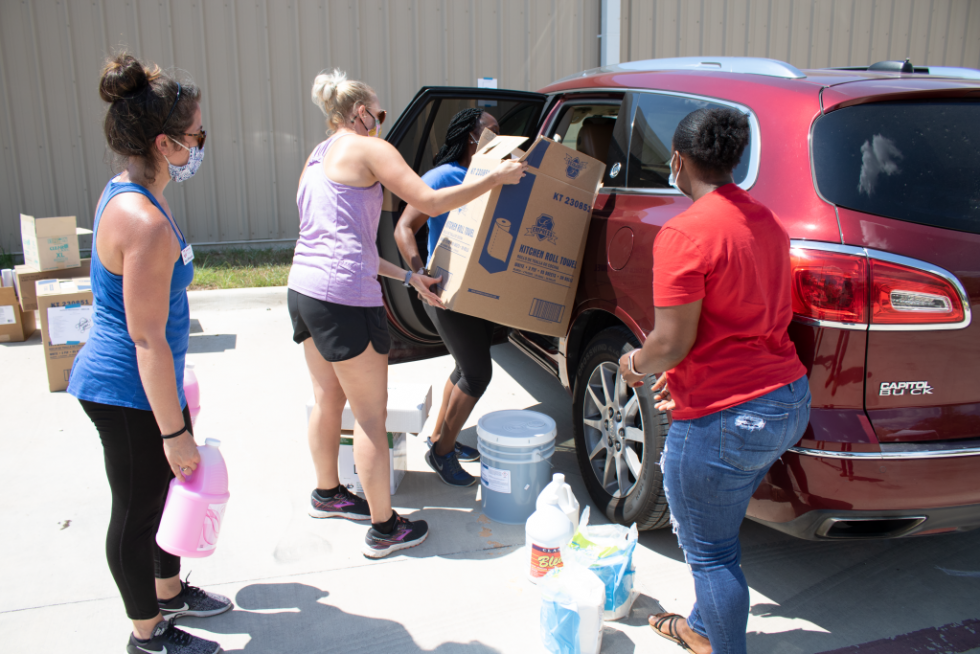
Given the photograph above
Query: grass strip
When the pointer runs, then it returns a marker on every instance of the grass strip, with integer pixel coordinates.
(241, 268)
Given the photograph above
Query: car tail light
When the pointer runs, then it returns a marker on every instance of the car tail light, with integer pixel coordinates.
(830, 286)
(903, 295)
(861, 288)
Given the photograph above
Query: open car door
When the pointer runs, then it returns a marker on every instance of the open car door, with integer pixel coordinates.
(418, 134)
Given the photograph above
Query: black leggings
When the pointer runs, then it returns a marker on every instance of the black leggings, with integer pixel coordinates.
(139, 477)
(468, 339)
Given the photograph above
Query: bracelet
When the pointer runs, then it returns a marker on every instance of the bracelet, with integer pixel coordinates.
(629, 358)
(175, 434)
(408, 278)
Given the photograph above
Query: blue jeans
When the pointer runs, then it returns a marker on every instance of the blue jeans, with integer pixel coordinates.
(712, 466)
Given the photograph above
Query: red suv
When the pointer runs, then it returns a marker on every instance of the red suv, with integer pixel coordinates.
(875, 173)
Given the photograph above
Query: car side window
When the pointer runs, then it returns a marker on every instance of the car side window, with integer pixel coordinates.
(593, 127)
(656, 119)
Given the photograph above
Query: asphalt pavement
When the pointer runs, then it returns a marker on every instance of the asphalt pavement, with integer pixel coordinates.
(300, 585)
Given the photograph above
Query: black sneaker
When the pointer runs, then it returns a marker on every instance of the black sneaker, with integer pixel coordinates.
(168, 639)
(405, 534)
(194, 602)
(448, 469)
(464, 453)
(344, 504)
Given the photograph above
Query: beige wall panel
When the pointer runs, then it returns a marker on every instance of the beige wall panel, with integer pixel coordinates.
(971, 50)
(255, 62)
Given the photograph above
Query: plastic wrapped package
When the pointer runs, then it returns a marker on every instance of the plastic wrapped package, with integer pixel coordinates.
(572, 601)
(607, 550)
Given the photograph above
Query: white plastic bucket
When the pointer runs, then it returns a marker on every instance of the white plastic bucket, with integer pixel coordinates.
(515, 462)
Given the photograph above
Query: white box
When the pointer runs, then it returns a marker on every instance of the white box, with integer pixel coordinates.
(397, 461)
(408, 409)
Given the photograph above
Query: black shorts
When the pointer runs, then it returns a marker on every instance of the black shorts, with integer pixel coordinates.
(339, 332)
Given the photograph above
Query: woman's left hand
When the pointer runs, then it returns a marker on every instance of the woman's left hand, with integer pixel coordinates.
(422, 284)
(624, 370)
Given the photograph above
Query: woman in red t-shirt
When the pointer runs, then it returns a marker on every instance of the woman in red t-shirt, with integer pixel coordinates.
(738, 392)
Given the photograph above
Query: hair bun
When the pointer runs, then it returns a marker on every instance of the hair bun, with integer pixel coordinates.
(123, 76)
(325, 89)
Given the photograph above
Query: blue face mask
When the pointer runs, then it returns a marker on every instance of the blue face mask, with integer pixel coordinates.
(185, 172)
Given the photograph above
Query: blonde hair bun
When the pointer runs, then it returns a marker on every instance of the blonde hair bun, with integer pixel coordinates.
(338, 97)
(325, 89)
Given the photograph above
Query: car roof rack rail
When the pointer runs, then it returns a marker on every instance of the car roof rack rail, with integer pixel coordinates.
(743, 65)
(899, 66)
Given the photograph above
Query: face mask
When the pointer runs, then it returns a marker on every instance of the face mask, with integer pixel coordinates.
(672, 180)
(374, 131)
(185, 172)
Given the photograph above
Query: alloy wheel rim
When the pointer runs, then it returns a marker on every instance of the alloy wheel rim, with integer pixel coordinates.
(613, 428)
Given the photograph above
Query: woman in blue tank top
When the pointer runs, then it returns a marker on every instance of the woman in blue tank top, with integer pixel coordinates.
(129, 376)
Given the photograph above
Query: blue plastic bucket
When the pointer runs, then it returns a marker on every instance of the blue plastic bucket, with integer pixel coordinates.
(515, 462)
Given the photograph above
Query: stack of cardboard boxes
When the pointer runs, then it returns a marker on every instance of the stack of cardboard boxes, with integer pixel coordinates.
(53, 280)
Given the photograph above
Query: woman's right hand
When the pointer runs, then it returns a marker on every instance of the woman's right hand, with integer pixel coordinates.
(423, 285)
(510, 172)
(182, 455)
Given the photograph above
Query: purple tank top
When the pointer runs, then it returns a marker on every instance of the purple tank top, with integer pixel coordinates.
(336, 257)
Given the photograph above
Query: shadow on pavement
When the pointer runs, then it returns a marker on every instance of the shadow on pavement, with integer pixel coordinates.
(290, 617)
(208, 343)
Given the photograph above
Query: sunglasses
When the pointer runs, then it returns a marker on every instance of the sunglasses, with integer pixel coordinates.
(380, 118)
(201, 137)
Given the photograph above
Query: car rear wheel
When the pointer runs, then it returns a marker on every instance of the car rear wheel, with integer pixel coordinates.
(619, 435)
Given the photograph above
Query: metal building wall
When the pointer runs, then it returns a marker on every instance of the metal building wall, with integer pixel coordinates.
(805, 33)
(255, 62)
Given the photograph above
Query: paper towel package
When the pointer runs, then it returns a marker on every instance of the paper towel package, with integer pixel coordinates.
(408, 408)
(513, 255)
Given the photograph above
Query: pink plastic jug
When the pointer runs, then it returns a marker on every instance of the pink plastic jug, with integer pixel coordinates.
(194, 510)
(192, 392)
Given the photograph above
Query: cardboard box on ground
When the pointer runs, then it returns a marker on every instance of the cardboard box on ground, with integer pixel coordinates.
(25, 278)
(49, 243)
(16, 325)
(513, 255)
(65, 306)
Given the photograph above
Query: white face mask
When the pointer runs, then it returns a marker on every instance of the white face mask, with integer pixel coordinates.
(672, 180)
(185, 172)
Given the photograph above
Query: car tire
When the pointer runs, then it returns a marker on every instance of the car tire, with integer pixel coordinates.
(607, 424)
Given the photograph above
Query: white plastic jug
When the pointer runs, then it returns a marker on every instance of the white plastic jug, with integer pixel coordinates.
(548, 531)
(558, 493)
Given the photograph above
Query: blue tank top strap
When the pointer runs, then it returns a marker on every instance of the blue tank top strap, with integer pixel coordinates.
(116, 188)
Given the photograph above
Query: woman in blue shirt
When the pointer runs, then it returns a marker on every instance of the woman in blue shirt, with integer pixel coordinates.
(468, 339)
(129, 376)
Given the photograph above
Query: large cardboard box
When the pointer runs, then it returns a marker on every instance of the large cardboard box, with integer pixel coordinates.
(397, 461)
(513, 255)
(15, 325)
(24, 279)
(65, 306)
(50, 243)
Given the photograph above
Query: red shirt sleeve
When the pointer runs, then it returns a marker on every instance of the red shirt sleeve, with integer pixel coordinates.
(679, 269)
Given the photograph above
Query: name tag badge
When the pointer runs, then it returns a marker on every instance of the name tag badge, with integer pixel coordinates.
(187, 254)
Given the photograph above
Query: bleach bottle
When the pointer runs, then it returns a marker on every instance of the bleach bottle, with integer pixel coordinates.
(192, 391)
(558, 493)
(195, 508)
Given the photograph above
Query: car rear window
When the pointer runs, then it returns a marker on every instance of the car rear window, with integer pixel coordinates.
(912, 161)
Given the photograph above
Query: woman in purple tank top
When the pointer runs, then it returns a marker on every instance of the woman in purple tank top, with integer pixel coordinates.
(335, 301)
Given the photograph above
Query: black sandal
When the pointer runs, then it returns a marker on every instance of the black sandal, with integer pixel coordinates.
(671, 634)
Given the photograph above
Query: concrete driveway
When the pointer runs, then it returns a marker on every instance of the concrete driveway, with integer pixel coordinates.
(301, 585)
